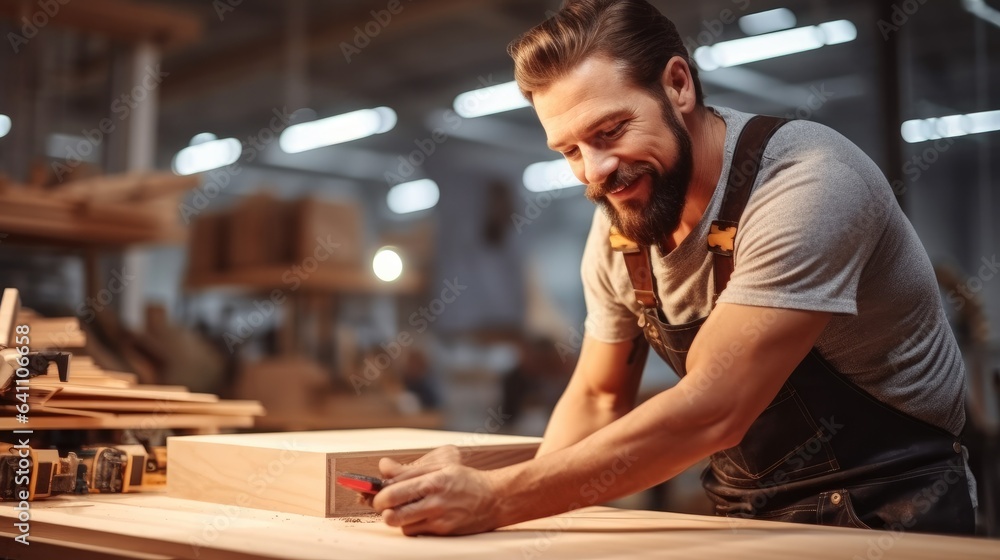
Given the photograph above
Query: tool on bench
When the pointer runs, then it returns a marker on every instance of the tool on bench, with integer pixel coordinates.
(361, 483)
(29, 474)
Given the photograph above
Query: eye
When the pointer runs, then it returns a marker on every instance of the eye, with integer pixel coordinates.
(571, 153)
(615, 132)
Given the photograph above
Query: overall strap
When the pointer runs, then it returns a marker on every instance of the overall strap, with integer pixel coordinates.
(742, 175)
(639, 271)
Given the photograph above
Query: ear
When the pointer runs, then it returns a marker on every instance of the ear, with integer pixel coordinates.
(679, 85)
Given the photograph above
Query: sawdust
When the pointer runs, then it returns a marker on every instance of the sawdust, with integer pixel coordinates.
(369, 518)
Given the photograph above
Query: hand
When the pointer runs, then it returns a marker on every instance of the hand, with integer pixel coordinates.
(436, 495)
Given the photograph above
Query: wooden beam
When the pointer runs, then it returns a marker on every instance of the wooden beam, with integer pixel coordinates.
(119, 20)
(300, 467)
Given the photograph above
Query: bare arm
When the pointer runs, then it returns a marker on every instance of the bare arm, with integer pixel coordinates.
(710, 409)
(680, 426)
(602, 389)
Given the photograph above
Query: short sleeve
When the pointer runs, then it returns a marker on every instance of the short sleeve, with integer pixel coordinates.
(609, 319)
(807, 235)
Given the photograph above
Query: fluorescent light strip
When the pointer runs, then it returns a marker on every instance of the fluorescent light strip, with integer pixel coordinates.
(550, 176)
(766, 22)
(207, 155)
(773, 45)
(953, 126)
(337, 130)
(490, 100)
(5, 125)
(414, 196)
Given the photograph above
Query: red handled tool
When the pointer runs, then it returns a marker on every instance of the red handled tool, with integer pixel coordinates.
(361, 483)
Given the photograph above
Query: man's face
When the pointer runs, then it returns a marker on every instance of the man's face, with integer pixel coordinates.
(622, 141)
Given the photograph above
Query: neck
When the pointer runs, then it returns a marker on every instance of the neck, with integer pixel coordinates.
(708, 140)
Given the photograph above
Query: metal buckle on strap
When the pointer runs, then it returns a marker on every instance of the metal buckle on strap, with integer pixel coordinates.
(621, 243)
(722, 238)
(645, 298)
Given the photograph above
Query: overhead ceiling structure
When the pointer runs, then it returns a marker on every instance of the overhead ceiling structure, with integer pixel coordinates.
(231, 66)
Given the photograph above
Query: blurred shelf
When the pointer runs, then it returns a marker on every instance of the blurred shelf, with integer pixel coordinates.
(37, 218)
(327, 279)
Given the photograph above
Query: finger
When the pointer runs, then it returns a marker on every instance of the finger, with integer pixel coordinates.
(445, 454)
(403, 492)
(409, 472)
(390, 468)
(412, 513)
(425, 527)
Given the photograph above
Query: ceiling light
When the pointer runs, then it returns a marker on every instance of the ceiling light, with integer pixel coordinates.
(387, 264)
(490, 100)
(773, 45)
(5, 124)
(766, 22)
(207, 155)
(549, 176)
(337, 130)
(201, 138)
(413, 196)
(921, 130)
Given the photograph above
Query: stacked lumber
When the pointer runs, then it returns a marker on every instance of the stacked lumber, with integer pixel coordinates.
(94, 397)
(116, 399)
(111, 210)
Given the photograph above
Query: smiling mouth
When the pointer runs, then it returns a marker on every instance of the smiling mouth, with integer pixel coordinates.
(625, 186)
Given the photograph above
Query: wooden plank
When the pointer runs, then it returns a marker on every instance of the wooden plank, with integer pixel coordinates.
(153, 523)
(225, 408)
(125, 187)
(130, 421)
(138, 393)
(31, 217)
(294, 471)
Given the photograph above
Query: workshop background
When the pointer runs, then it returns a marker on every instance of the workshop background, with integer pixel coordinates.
(345, 211)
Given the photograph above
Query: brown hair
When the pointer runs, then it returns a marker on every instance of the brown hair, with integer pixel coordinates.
(631, 32)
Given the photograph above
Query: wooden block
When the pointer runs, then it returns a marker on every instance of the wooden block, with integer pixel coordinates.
(294, 472)
(259, 232)
(208, 245)
(320, 223)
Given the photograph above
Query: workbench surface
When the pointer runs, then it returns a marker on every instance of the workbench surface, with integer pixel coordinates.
(152, 526)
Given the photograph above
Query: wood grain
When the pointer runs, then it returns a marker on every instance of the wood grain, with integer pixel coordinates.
(155, 524)
(294, 472)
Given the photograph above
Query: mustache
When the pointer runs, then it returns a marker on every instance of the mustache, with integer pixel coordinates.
(626, 174)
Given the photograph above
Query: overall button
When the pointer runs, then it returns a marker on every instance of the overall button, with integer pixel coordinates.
(957, 447)
(835, 498)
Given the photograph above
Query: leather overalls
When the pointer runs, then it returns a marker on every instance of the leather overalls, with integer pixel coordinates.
(824, 451)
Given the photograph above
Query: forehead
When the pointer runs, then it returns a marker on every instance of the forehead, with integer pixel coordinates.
(593, 89)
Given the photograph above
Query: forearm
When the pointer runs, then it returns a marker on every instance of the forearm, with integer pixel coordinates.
(594, 399)
(653, 443)
(575, 417)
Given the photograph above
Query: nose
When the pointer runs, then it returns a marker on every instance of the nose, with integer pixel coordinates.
(597, 165)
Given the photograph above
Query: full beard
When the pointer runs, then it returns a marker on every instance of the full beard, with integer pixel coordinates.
(649, 223)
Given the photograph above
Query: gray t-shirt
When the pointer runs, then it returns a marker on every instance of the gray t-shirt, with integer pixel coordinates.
(822, 232)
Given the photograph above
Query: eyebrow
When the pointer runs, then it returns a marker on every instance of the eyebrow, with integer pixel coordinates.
(598, 123)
